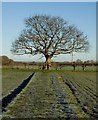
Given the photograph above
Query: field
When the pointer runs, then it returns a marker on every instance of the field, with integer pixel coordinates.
(52, 94)
(0, 83)
(11, 78)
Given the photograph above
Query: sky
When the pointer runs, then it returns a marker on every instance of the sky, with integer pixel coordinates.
(81, 14)
(48, 0)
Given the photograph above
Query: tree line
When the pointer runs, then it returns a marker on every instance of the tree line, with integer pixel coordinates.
(39, 65)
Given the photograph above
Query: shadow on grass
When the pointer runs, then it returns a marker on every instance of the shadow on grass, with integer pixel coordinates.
(8, 99)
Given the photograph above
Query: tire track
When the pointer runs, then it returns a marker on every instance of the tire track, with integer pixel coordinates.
(84, 107)
(9, 98)
(61, 99)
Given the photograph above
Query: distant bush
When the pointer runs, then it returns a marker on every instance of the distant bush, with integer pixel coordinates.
(6, 60)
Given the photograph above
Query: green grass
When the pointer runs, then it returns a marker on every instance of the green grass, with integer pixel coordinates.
(0, 83)
(11, 78)
(40, 97)
(86, 87)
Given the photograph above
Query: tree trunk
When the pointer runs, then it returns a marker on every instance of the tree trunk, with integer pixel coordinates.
(48, 62)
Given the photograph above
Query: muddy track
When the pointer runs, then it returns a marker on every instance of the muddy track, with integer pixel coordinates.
(84, 107)
(9, 98)
(61, 99)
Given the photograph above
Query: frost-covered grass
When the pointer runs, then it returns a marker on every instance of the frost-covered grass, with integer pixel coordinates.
(50, 95)
(11, 78)
(0, 83)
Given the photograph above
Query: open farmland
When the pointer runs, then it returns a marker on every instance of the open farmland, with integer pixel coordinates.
(11, 78)
(0, 83)
(54, 94)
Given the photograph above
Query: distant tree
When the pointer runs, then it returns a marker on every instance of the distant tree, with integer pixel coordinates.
(83, 65)
(6, 61)
(78, 61)
(0, 60)
(74, 65)
(92, 62)
(49, 36)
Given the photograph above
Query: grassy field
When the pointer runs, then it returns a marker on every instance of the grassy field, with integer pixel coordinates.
(0, 83)
(11, 78)
(52, 94)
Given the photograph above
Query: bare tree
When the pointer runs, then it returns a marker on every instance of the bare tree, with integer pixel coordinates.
(49, 36)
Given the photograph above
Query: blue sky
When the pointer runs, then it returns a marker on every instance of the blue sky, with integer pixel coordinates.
(82, 14)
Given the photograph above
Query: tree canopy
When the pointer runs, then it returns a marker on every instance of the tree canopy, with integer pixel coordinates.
(49, 36)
